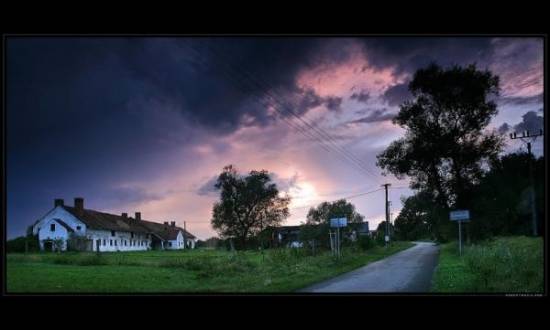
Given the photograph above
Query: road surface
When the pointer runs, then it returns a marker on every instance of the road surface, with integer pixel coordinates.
(410, 270)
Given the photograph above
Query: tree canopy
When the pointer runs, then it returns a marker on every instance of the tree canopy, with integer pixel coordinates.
(248, 204)
(318, 220)
(446, 147)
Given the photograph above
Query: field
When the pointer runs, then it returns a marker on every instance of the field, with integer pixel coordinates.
(502, 265)
(197, 271)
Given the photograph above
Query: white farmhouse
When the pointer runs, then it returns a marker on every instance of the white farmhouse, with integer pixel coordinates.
(64, 227)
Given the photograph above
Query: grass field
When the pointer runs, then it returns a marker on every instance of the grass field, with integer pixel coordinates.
(502, 265)
(197, 271)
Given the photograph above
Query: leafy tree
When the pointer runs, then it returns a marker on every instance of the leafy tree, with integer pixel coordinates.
(502, 201)
(413, 220)
(380, 234)
(213, 242)
(444, 148)
(248, 204)
(23, 244)
(318, 220)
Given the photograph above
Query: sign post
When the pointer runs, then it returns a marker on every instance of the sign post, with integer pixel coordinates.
(460, 216)
(337, 223)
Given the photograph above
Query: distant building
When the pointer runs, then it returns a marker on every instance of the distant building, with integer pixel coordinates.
(91, 230)
(289, 236)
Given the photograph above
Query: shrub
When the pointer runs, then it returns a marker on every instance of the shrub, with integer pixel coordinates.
(18, 244)
(62, 260)
(91, 260)
(365, 242)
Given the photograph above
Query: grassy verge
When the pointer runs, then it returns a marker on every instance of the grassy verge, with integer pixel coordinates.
(501, 265)
(284, 270)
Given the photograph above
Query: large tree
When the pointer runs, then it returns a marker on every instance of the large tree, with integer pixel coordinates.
(502, 204)
(413, 220)
(445, 146)
(248, 204)
(318, 220)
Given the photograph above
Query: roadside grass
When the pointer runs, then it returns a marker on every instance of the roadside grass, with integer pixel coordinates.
(500, 265)
(208, 271)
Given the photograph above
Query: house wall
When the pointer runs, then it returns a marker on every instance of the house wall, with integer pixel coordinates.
(60, 213)
(124, 241)
(45, 233)
(176, 244)
(191, 243)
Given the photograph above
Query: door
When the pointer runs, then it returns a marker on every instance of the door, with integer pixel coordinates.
(48, 246)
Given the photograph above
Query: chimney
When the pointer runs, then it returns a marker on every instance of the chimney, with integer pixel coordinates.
(173, 223)
(58, 202)
(138, 216)
(125, 216)
(166, 223)
(79, 204)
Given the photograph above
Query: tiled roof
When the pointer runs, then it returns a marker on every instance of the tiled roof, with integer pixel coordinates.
(66, 226)
(106, 221)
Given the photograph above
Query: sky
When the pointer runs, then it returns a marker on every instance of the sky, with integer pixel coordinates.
(146, 124)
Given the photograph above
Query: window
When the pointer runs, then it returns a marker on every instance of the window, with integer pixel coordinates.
(104, 242)
(52, 227)
(112, 233)
(132, 235)
(125, 243)
(78, 227)
(111, 242)
(169, 243)
(116, 242)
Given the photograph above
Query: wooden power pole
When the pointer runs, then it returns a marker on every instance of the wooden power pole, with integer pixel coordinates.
(526, 135)
(387, 237)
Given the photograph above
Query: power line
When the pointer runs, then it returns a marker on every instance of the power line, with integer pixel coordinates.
(321, 136)
(347, 197)
(269, 91)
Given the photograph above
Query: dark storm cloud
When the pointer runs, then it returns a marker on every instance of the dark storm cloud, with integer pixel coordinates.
(283, 184)
(333, 103)
(209, 187)
(521, 100)
(96, 98)
(408, 54)
(363, 96)
(131, 195)
(376, 115)
(212, 81)
(531, 122)
(397, 94)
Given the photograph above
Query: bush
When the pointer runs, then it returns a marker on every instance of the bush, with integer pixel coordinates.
(365, 242)
(17, 245)
(62, 260)
(91, 260)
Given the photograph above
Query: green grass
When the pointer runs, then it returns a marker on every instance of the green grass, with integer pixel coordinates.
(501, 265)
(282, 270)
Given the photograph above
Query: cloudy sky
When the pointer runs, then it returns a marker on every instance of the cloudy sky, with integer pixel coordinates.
(146, 124)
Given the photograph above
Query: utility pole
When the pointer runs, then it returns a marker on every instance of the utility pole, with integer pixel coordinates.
(387, 237)
(531, 137)
(184, 233)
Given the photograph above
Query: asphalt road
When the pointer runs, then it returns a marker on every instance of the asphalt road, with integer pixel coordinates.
(410, 270)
